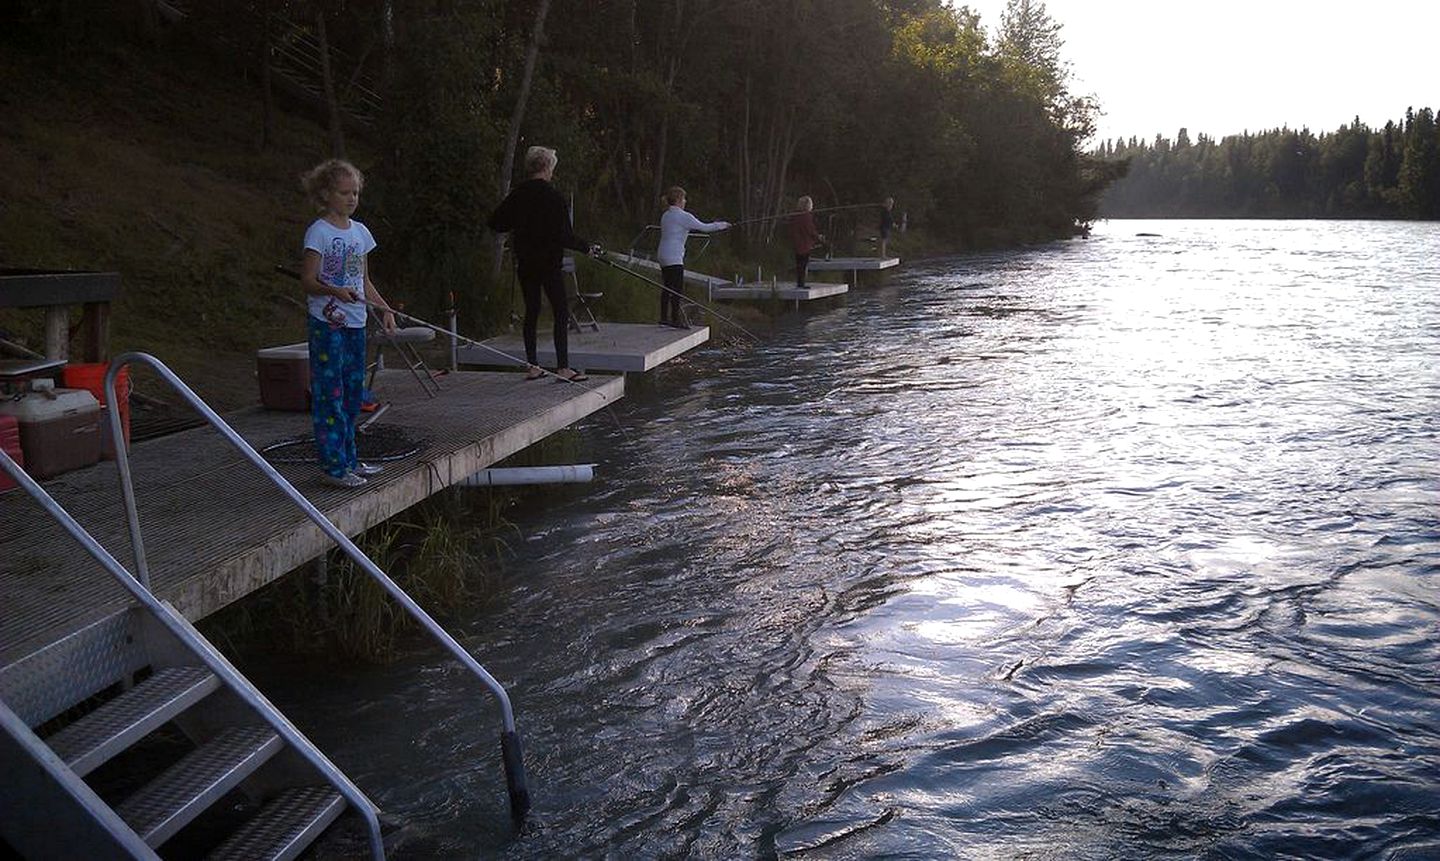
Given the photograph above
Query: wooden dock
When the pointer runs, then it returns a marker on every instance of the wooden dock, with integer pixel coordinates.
(724, 289)
(216, 529)
(852, 264)
(691, 276)
(780, 290)
(619, 347)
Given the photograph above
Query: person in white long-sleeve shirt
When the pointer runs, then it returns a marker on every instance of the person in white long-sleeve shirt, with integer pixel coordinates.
(675, 226)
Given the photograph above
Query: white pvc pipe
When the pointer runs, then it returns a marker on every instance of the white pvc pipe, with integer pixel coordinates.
(578, 473)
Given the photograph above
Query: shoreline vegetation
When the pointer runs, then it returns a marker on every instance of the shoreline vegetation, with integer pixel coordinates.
(163, 149)
(152, 140)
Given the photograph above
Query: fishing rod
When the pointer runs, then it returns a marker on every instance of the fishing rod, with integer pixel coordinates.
(652, 282)
(509, 359)
(650, 227)
(800, 211)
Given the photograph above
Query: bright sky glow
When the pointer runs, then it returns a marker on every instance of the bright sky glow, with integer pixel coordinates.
(1226, 66)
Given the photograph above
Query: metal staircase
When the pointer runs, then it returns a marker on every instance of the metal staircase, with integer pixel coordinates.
(90, 698)
(147, 668)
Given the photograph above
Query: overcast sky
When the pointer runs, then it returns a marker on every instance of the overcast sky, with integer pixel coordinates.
(1225, 66)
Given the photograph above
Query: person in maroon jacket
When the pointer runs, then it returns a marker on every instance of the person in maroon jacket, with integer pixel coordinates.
(804, 236)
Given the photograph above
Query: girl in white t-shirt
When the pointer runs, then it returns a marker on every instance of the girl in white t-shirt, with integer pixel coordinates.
(337, 281)
(675, 227)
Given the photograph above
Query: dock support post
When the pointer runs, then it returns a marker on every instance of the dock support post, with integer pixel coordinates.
(320, 581)
(57, 332)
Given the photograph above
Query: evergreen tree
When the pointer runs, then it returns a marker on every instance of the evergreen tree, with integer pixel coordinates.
(1420, 165)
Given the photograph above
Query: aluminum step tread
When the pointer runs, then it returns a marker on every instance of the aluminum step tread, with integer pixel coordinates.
(285, 827)
(187, 788)
(89, 742)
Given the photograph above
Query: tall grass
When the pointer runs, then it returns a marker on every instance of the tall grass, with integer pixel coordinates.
(446, 553)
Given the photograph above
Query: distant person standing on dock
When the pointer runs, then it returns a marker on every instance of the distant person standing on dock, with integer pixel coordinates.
(536, 214)
(887, 222)
(804, 236)
(335, 275)
(675, 227)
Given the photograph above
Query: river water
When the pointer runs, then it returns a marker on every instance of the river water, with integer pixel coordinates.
(1122, 547)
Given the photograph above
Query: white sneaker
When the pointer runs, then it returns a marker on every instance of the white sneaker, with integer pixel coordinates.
(365, 470)
(349, 479)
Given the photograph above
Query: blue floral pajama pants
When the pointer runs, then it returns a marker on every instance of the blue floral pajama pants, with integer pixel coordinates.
(337, 378)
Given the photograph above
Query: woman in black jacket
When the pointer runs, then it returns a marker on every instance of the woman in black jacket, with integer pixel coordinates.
(539, 221)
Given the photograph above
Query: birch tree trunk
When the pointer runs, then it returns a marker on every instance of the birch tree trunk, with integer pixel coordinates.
(332, 105)
(267, 97)
(517, 116)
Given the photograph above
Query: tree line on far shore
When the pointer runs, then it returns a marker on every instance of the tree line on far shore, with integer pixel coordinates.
(1353, 172)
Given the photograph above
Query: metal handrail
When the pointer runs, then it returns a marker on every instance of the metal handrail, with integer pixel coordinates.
(511, 751)
(180, 628)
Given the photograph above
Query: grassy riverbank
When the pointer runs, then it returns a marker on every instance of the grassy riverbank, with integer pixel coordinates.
(144, 164)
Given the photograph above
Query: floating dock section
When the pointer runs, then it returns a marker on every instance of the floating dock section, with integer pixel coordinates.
(216, 529)
(780, 290)
(620, 347)
(691, 276)
(853, 265)
(724, 289)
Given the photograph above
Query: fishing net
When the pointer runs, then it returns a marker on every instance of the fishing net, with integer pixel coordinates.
(378, 444)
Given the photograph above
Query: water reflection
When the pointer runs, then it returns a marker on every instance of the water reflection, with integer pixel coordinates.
(1116, 548)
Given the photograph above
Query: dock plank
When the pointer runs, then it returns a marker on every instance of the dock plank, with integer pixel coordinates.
(634, 347)
(723, 288)
(852, 264)
(215, 529)
(780, 290)
(652, 268)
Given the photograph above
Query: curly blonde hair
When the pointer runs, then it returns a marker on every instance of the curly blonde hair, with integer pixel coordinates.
(319, 180)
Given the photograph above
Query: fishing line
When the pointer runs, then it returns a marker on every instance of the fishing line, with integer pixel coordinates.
(652, 282)
(650, 227)
(474, 343)
(509, 359)
(800, 211)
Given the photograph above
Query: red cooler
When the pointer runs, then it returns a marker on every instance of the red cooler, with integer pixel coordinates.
(284, 374)
(57, 433)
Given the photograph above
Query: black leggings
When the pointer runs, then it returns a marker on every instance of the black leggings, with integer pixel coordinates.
(552, 282)
(802, 262)
(673, 278)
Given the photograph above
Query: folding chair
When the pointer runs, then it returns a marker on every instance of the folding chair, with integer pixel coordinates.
(403, 342)
(581, 305)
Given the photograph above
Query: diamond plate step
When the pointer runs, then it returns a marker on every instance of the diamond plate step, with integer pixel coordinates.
(201, 778)
(86, 744)
(284, 827)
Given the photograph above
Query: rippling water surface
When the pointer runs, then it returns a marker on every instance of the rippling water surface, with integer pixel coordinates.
(1120, 547)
